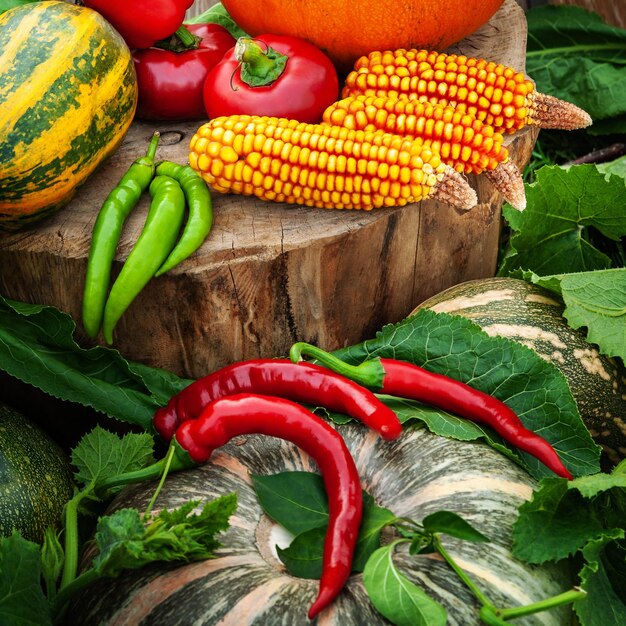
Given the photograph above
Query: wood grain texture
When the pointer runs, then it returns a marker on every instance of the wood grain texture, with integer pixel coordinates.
(270, 274)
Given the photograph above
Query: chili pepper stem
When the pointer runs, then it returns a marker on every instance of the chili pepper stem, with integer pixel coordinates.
(152, 146)
(369, 373)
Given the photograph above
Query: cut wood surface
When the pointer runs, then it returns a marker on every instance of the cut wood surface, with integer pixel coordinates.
(270, 274)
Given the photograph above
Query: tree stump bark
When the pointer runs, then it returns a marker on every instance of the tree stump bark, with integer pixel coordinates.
(270, 274)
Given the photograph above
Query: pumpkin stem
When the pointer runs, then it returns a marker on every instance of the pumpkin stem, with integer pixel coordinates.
(369, 373)
(259, 67)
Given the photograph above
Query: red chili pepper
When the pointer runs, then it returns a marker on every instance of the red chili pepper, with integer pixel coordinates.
(406, 380)
(245, 414)
(273, 75)
(142, 22)
(171, 77)
(300, 382)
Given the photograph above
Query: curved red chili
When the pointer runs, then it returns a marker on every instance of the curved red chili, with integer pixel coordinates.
(410, 381)
(301, 382)
(407, 380)
(245, 414)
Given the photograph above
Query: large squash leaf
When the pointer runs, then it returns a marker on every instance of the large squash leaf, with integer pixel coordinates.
(565, 208)
(534, 388)
(574, 55)
(596, 301)
(37, 346)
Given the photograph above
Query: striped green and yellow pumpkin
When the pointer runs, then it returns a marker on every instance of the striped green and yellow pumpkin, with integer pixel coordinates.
(532, 315)
(35, 477)
(68, 94)
(416, 475)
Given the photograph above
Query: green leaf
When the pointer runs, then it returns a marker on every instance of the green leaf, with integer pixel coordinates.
(617, 167)
(593, 300)
(395, 596)
(534, 388)
(574, 55)
(303, 556)
(554, 524)
(602, 606)
(5, 5)
(447, 425)
(22, 601)
(217, 14)
(564, 516)
(552, 235)
(296, 500)
(125, 542)
(452, 524)
(37, 347)
(100, 455)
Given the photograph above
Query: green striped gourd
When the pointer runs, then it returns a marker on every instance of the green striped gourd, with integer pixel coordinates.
(35, 477)
(532, 315)
(68, 93)
(418, 474)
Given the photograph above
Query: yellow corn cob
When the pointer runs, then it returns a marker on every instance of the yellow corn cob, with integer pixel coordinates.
(491, 92)
(462, 141)
(321, 165)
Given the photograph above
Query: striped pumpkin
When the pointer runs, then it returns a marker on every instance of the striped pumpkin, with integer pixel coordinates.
(68, 93)
(418, 474)
(532, 315)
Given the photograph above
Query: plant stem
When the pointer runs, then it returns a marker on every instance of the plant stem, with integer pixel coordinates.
(469, 583)
(70, 565)
(65, 594)
(166, 468)
(543, 605)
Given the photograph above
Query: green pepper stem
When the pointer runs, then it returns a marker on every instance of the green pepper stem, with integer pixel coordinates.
(572, 595)
(188, 40)
(152, 146)
(369, 373)
(259, 67)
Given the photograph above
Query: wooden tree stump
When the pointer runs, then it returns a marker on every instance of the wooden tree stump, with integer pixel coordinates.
(270, 274)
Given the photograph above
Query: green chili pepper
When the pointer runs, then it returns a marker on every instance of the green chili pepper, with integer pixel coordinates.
(106, 235)
(156, 241)
(200, 212)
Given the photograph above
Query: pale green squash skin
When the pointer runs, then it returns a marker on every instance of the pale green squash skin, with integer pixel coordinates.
(246, 584)
(35, 477)
(533, 315)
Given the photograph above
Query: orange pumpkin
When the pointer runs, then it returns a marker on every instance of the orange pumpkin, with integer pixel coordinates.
(348, 29)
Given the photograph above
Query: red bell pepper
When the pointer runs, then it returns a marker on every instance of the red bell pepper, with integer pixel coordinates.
(171, 82)
(274, 75)
(142, 22)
